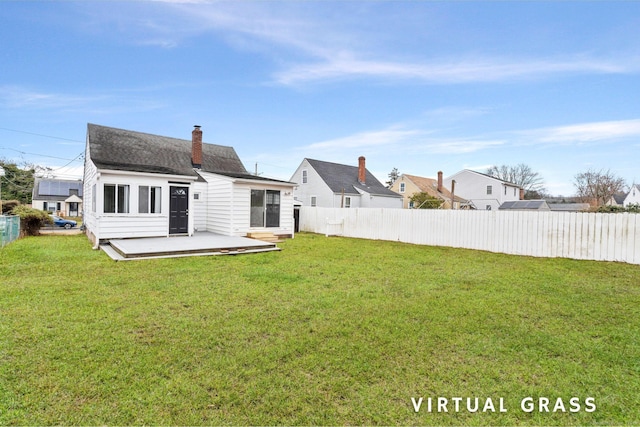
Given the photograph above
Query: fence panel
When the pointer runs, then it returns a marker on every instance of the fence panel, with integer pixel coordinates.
(593, 236)
(9, 229)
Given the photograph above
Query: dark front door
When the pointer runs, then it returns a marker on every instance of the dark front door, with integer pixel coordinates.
(179, 210)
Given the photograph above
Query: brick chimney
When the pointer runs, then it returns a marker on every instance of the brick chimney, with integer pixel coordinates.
(196, 147)
(522, 194)
(362, 171)
(439, 181)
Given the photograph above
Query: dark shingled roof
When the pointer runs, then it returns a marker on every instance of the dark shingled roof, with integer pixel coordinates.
(530, 205)
(119, 149)
(344, 177)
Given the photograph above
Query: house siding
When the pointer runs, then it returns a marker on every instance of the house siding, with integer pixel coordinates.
(314, 186)
(90, 218)
(633, 198)
(219, 200)
(473, 187)
(409, 190)
(200, 206)
(104, 226)
(229, 206)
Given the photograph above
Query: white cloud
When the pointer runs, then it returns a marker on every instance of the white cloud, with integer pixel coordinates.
(583, 132)
(461, 146)
(377, 138)
(16, 97)
(444, 71)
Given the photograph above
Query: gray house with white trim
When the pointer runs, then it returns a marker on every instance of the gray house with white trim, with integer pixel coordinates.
(143, 185)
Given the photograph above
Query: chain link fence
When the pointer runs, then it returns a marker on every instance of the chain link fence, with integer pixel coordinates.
(9, 229)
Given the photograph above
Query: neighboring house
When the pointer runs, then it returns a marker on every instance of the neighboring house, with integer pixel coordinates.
(143, 185)
(58, 196)
(616, 200)
(333, 185)
(483, 191)
(569, 207)
(633, 198)
(407, 185)
(525, 205)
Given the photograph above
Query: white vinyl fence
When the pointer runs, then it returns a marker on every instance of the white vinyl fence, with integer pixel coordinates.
(578, 235)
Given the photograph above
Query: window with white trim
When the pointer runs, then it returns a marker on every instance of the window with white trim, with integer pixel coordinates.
(149, 199)
(402, 187)
(116, 198)
(347, 202)
(314, 201)
(304, 176)
(489, 189)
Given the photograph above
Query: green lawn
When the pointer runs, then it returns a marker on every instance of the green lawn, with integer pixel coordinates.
(329, 331)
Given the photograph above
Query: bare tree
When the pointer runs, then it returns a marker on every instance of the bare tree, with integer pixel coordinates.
(597, 186)
(522, 175)
(393, 176)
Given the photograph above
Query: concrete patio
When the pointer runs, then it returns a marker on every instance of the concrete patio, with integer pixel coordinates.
(200, 244)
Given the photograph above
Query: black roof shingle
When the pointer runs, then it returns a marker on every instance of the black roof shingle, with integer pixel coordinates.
(345, 178)
(119, 149)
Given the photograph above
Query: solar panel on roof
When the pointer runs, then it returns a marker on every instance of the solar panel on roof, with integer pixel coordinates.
(59, 188)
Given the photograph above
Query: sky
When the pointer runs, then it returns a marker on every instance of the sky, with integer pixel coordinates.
(421, 86)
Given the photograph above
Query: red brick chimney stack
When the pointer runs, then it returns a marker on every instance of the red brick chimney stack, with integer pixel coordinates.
(439, 181)
(196, 147)
(362, 171)
(522, 194)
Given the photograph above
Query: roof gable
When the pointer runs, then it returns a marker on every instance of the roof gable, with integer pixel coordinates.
(340, 178)
(430, 186)
(119, 149)
(469, 171)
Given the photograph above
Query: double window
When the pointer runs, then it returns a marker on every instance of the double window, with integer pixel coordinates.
(149, 199)
(116, 198)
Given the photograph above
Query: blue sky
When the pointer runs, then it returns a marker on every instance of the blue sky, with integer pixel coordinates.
(420, 86)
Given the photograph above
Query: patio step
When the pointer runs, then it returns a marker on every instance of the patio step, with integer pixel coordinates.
(265, 236)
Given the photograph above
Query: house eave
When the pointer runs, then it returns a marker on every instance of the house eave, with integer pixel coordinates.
(147, 174)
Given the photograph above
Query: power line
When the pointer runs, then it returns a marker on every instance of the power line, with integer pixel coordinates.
(39, 134)
(35, 154)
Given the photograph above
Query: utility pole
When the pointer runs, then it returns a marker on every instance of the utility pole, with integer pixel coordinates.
(1, 175)
(453, 197)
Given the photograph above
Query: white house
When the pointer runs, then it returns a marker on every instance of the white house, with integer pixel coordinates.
(484, 192)
(333, 185)
(143, 185)
(57, 196)
(633, 198)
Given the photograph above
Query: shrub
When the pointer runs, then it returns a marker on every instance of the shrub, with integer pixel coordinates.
(618, 209)
(9, 205)
(31, 220)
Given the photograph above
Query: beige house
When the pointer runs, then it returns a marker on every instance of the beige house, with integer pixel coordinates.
(408, 185)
